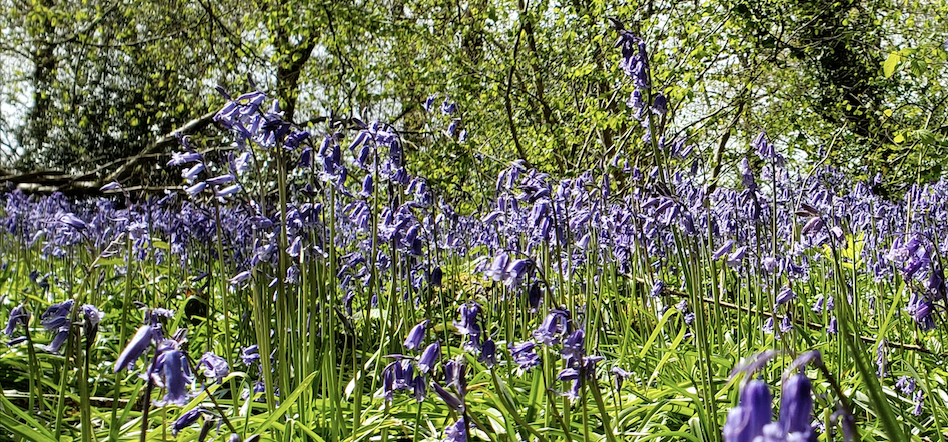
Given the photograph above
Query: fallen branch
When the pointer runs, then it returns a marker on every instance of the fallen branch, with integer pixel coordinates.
(88, 183)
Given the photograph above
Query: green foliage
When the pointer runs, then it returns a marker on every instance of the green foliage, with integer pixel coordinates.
(860, 84)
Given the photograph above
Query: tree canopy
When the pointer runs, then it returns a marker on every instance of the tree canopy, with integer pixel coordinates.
(856, 84)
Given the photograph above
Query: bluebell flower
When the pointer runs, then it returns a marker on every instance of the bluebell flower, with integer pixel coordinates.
(192, 172)
(249, 355)
(448, 107)
(220, 180)
(182, 158)
(430, 101)
(172, 369)
(367, 188)
(240, 277)
(227, 191)
(469, 326)
(388, 384)
(786, 325)
(516, 271)
(920, 309)
(242, 163)
(524, 356)
(16, 341)
(554, 325)
(682, 305)
(416, 335)
(660, 104)
(73, 221)
(135, 348)
(456, 432)
(657, 288)
(397, 376)
(419, 388)
(436, 277)
(498, 268)
(637, 103)
(588, 364)
(568, 374)
(747, 176)
(18, 316)
(723, 250)
(813, 226)
(56, 344)
(488, 354)
(573, 347)
(689, 318)
(195, 189)
(620, 376)
(295, 138)
(90, 322)
(919, 399)
(535, 297)
(766, 150)
(56, 318)
(746, 421)
(906, 384)
(796, 407)
(734, 259)
(214, 366)
(452, 127)
(452, 401)
(186, 419)
(454, 374)
(114, 185)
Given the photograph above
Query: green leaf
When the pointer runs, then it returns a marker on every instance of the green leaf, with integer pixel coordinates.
(888, 68)
(285, 406)
(31, 430)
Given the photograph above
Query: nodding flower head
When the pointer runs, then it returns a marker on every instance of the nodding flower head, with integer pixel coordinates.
(554, 325)
(469, 325)
(56, 318)
(620, 376)
(18, 316)
(796, 407)
(416, 335)
(136, 348)
(429, 102)
(73, 221)
(171, 372)
(429, 357)
(524, 356)
(746, 421)
(90, 322)
(452, 401)
(536, 296)
(250, 355)
(573, 348)
(488, 354)
(456, 432)
(454, 374)
(186, 419)
(214, 366)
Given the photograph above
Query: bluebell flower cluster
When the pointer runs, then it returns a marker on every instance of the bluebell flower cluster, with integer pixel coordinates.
(352, 201)
(752, 419)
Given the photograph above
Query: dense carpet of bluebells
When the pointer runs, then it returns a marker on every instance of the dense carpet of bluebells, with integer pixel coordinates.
(309, 286)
